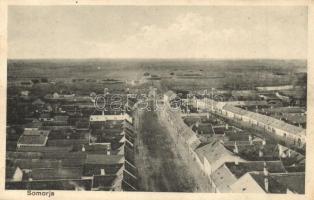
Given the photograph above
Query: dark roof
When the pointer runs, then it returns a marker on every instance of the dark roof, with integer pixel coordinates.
(45, 149)
(238, 136)
(219, 130)
(9, 172)
(23, 155)
(82, 124)
(72, 184)
(251, 152)
(67, 142)
(36, 132)
(36, 163)
(273, 185)
(64, 155)
(295, 182)
(130, 180)
(104, 181)
(90, 170)
(243, 167)
(96, 148)
(203, 128)
(99, 159)
(45, 115)
(56, 173)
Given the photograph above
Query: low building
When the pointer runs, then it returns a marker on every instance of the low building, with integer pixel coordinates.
(13, 173)
(270, 124)
(211, 156)
(275, 88)
(257, 182)
(33, 138)
(230, 172)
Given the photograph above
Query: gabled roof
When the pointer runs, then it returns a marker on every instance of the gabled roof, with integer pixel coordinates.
(251, 152)
(216, 154)
(295, 182)
(280, 182)
(212, 151)
(241, 168)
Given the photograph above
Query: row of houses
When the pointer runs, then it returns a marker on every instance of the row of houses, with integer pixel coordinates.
(72, 152)
(239, 165)
(270, 124)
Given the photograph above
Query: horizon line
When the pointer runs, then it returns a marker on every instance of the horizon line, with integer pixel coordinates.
(134, 58)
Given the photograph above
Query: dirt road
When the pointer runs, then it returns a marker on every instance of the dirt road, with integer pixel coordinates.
(160, 167)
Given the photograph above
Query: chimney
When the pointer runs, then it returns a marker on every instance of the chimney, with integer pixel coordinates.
(260, 153)
(236, 162)
(265, 169)
(289, 153)
(250, 139)
(83, 148)
(102, 172)
(108, 150)
(30, 176)
(266, 184)
(235, 150)
(280, 150)
(197, 124)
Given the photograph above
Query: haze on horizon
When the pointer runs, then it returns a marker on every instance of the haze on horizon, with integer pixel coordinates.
(218, 32)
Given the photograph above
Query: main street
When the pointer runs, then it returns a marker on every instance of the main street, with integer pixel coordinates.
(160, 166)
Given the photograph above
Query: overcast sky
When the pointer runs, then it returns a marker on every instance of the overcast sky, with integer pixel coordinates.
(157, 32)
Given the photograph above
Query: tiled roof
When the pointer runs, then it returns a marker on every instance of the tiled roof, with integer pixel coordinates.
(266, 120)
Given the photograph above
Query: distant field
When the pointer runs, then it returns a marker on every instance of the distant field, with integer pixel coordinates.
(173, 73)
